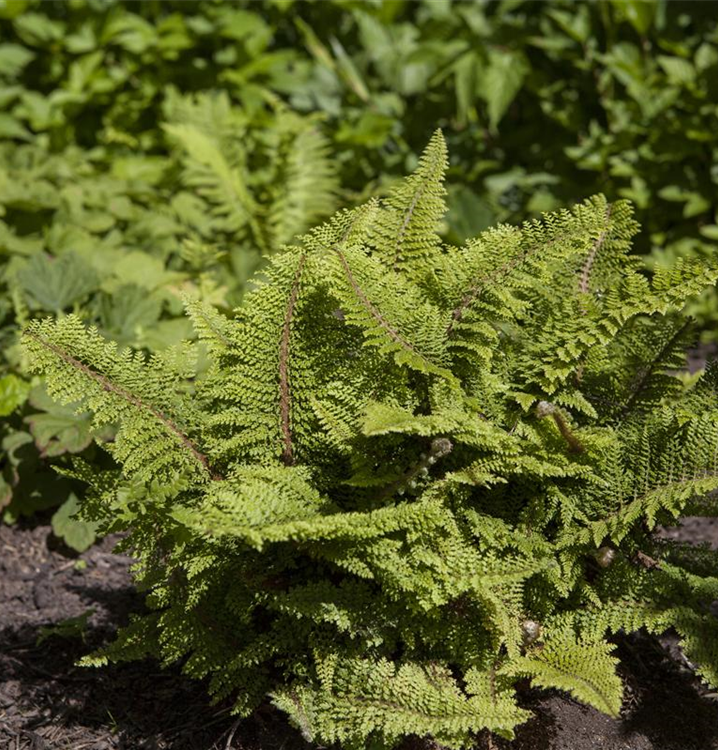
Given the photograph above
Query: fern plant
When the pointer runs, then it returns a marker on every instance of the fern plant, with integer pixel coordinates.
(264, 176)
(413, 475)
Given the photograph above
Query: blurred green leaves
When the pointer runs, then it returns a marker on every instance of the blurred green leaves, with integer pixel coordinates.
(501, 81)
(13, 393)
(54, 284)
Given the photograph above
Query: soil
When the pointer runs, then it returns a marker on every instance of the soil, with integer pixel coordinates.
(48, 703)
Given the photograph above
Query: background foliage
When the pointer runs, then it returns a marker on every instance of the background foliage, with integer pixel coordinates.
(151, 147)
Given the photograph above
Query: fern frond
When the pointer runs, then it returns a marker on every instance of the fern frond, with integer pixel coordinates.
(585, 669)
(402, 324)
(369, 699)
(158, 425)
(221, 182)
(407, 240)
(257, 420)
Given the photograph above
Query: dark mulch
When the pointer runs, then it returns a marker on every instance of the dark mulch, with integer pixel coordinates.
(48, 703)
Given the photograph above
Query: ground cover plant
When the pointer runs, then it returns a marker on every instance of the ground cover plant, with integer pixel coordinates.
(413, 474)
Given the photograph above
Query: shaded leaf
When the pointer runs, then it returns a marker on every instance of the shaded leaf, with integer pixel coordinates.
(54, 284)
(74, 532)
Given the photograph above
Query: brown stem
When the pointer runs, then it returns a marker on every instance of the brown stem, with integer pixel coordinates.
(588, 265)
(480, 284)
(374, 312)
(646, 561)
(285, 396)
(111, 387)
(547, 409)
(475, 291)
(586, 274)
(574, 444)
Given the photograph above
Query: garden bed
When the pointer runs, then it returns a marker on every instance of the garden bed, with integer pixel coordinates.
(47, 702)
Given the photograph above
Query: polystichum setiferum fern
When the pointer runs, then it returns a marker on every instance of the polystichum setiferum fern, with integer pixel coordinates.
(414, 474)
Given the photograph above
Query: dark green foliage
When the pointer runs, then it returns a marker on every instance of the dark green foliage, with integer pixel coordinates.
(412, 474)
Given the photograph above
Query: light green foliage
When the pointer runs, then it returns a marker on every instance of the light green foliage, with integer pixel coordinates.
(353, 694)
(151, 427)
(407, 239)
(406, 482)
(13, 393)
(584, 669)
(116, 221)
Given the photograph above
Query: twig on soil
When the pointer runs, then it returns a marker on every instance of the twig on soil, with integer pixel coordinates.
(232, 731)
(63, 568)
(44, 673)
(489, 740)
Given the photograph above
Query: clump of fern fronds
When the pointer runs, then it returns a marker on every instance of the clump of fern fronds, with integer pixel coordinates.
(413, 474)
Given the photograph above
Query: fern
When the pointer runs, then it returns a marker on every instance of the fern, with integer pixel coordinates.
(407, 238)
(412, 475)
(261, 188)
(586, 670)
